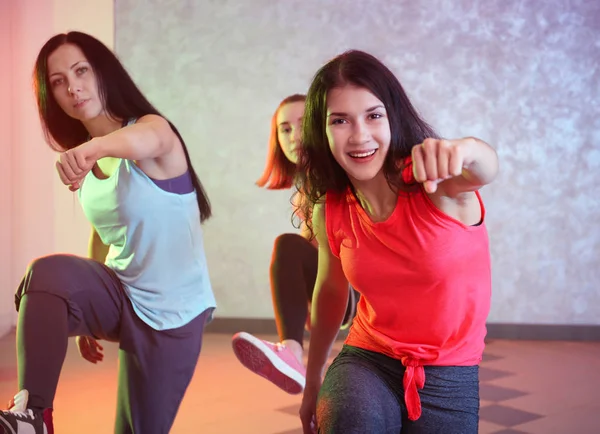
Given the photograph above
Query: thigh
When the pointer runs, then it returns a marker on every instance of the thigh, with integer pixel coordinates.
(155, 369)
(92, 292)
(355, 398)
(449, 401)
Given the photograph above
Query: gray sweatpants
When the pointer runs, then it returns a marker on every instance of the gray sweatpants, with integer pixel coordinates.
(363, 393)
(63, 296)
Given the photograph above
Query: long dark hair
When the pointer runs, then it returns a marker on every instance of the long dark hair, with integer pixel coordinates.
(318, 171)
(279, 171)
(120, 97)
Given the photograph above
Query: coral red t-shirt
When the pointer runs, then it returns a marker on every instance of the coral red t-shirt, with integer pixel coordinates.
(424, 280)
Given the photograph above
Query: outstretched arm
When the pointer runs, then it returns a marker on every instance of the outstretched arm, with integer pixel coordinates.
(150, 137)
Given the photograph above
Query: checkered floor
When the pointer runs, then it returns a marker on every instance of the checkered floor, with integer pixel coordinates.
(526, 387)
(495, 412)
(533, 387)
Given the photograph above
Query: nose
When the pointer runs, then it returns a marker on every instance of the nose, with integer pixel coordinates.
(74, 87)
(360, 133)
(295, 136)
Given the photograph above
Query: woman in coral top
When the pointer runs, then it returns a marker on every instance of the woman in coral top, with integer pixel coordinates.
(397, 213)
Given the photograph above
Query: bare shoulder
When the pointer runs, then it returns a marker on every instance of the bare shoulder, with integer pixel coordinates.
(157, 120)
(173, 162)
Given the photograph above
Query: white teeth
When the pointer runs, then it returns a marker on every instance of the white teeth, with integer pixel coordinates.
(362, 154)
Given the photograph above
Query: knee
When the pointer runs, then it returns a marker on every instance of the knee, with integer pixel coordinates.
(342, 414)
(332, 415)
(43, 273)
(287, 242)
(285, 246)
(353, 399)
(50, 265)
(340, 401)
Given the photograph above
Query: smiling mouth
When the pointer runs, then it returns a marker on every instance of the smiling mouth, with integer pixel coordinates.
(362, 154)
(80, 103)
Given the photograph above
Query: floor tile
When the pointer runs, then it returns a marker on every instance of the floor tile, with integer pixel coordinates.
(490, 392)
(506, 416)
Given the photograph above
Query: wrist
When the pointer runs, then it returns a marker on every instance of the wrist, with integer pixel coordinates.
(99, 148)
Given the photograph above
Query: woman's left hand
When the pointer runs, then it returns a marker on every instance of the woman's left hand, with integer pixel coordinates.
(436, 160)
(74, 164)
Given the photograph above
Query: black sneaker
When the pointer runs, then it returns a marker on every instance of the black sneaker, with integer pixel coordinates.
(22, 420)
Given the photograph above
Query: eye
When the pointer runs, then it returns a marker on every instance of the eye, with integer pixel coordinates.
(56, 82)
(338, 121)
(375, 116)
(82, 70)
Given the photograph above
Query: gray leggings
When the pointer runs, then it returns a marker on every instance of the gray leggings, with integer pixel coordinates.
(62, 296)
(363, 393)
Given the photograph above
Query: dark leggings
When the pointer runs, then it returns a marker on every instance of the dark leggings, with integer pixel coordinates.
(293, 275)
(363, 393)
(63, 296)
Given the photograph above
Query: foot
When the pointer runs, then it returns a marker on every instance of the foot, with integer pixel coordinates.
(19, 419)
(273, 361)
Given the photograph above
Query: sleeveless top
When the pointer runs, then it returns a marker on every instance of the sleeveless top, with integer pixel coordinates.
(424, 280)
(156, 245)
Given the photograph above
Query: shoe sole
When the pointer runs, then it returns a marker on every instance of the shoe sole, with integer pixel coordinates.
(260, 359)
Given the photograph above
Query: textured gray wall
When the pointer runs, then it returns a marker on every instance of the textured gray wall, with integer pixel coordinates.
(522, 75)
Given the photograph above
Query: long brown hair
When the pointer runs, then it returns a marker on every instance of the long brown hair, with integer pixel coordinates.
(279, 171)
(318, 171)
(120, 96)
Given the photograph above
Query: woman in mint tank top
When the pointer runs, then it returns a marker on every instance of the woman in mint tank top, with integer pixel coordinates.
(146, 284)
(293, 267)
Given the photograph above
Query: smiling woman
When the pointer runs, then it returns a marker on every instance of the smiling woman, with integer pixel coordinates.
(357, 135)
(143, 286)
(396, 213)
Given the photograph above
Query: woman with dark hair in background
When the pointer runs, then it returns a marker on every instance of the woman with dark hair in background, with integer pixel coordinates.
(293, 267)
(146, 284)
(397, 213)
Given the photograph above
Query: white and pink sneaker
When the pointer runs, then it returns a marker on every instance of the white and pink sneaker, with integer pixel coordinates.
(273, 361)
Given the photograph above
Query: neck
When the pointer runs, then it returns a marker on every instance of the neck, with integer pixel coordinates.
(102, 125)
(376, 197)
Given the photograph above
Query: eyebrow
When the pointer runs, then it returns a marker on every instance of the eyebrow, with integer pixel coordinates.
(287, 122)
(369, 110)
(72, 66)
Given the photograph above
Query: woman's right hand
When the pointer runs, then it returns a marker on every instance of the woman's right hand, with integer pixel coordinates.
(308, 409)
(74, 183)
(90, 349)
